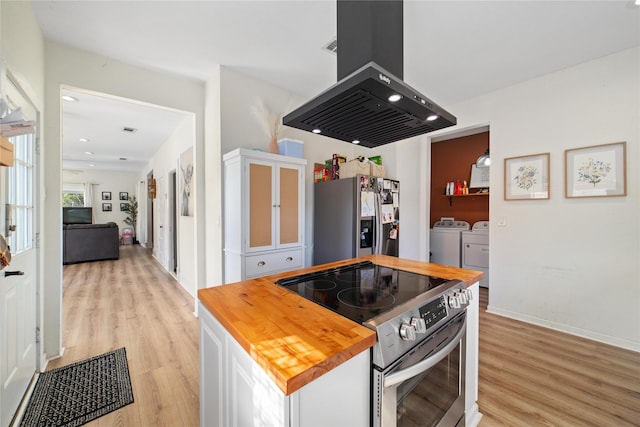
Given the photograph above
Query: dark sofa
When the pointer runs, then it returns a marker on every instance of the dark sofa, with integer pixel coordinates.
(90, 242)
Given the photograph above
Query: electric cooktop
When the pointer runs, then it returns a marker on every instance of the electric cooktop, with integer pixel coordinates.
(361, 291)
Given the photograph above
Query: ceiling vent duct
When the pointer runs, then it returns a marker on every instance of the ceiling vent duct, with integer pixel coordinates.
(370, 103)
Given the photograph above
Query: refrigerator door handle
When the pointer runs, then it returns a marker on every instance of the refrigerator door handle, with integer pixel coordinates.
(377, 247)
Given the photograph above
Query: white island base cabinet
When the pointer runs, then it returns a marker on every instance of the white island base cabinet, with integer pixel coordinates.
(236, 392)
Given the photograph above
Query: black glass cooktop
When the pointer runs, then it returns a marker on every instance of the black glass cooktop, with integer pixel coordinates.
(360, 291)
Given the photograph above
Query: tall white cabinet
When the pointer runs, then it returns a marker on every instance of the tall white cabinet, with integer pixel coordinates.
(263, 214)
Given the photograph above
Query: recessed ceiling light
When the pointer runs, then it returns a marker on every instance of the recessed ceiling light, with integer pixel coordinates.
(432, 117)
(316, 131)
(84, 140)
(69, 98)
(93, 165)
(355, 141)
(395, 97)
(88, 152)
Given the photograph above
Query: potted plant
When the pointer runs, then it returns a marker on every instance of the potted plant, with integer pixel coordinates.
(132, 215)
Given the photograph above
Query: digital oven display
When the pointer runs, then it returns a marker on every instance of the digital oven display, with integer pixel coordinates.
(434, 311)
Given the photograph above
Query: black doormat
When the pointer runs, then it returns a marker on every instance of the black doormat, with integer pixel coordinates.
(80, 392)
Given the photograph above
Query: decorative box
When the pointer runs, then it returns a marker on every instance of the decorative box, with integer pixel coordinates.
(291, 147)
(353, 168)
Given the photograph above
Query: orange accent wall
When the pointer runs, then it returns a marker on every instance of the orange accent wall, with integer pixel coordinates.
(451, 160)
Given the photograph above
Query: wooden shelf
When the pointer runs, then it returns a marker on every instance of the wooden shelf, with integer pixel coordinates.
(451, 196)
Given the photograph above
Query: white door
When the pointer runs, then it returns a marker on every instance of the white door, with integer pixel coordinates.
(160, 207)
(18, 295)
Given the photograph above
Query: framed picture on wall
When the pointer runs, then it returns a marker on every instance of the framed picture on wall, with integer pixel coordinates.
(596, 171)
(106, 207)
(123, 207)
(124, 196)
(106, 195)
(526, 177)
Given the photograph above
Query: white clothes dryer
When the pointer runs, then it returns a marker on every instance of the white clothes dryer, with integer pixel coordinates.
(475, 250)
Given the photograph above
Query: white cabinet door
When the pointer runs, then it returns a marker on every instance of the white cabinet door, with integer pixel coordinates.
(260, 205)
(289, 205)
(212, 379)
(254, 400)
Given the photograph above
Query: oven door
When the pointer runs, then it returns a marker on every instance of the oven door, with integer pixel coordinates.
(426, 386)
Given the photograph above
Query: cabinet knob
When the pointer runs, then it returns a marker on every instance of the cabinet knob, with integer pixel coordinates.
(262, 264)
(289, 259)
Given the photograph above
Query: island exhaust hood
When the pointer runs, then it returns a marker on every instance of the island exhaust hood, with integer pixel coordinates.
(370, 104)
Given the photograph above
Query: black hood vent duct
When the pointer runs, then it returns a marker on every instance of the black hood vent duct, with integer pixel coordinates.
(370, 71)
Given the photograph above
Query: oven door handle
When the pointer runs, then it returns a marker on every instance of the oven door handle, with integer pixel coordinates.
(426, 364)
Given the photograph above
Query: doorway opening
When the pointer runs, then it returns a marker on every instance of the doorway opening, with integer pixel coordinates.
(459, 206)
(150, 196)
(173, 232)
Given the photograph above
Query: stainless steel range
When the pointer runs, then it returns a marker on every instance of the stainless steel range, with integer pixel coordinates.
(418, 361)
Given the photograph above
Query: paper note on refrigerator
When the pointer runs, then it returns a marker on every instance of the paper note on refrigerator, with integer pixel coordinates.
(387, 214)
(367, 204)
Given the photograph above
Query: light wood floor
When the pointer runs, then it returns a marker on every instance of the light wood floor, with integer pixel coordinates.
(534, 376)
(134, 303)
(529, 376)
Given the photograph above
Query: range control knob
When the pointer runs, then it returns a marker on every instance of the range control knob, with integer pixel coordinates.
(419, 325)
(407, 332)
(453, 300)
(467, 293)
(462, 295)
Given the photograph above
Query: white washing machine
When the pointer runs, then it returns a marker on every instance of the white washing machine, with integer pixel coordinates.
(475, 250)
(445, 242)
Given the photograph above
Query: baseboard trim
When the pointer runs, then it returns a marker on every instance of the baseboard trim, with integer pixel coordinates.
(473, 416)
(595, 336)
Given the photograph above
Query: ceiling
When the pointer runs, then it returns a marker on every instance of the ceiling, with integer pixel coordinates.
(94, 135)
(453, 50)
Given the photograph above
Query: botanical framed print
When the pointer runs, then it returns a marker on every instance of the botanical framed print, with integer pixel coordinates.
(596, 171)
(526, 177)
(106, 195)
(124, 196)
(106, 207)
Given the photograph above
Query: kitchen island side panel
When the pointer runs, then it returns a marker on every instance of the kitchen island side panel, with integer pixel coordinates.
(334, 220)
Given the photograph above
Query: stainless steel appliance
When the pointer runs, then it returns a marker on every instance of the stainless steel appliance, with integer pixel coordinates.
(354, 217)
(418, 361)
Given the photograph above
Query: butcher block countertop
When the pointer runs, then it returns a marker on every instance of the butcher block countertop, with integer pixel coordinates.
(293, 339)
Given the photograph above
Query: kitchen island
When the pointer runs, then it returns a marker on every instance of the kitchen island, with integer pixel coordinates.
(271, 357)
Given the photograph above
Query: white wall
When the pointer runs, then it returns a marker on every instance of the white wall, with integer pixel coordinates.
(83, 70)
(165, 161)
(22, 54)
(240, 129)
(570, 264)
(105, 181)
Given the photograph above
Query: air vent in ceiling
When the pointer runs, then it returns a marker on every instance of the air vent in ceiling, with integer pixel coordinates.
(129, 129)
(332, 46)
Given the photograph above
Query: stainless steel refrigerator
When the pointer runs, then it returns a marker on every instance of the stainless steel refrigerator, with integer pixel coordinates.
(355, 216)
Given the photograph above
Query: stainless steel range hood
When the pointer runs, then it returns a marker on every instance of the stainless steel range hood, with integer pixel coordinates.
(360, 107)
